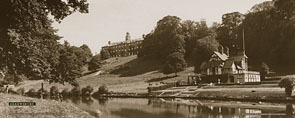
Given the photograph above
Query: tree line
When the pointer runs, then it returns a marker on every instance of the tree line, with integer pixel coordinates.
(29, 44)
(269, 38)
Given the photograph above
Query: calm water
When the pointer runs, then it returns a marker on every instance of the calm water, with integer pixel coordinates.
(180, 108)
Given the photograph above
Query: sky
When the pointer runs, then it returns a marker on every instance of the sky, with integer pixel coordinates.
(109, 20)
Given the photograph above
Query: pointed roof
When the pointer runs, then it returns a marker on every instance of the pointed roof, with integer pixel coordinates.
(228, 63)
(222, 56)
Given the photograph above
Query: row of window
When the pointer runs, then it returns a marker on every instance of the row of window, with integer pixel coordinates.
(127, 54)
(252, 78)
(120, 50)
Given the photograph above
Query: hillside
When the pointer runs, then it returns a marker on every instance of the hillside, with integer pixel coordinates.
(123, 74)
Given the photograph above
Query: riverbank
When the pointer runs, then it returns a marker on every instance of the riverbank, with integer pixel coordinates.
(267, 93)
(43, 108)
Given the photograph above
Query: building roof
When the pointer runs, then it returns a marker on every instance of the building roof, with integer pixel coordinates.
(228, 63)
(222, 56)
(206, 65)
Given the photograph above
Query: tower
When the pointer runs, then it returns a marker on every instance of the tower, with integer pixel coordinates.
(127, 38)
(245, 58)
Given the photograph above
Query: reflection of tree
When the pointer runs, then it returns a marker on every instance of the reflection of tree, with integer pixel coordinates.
(289, 111)
(149, 102)
(76, 100)
(87, 100)
(102, 100)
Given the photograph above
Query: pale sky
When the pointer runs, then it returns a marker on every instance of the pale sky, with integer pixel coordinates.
(109, 20)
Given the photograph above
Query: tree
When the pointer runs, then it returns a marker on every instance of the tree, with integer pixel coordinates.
(104, 54)
(165, 39)
(86, 91)
(174, 63)
(269, 38)
(94, 63)
(228, 32)
(69, 67)
(27, 39)
(264, 70)
(285, 8)
(204, 49)
(288, 84)
(87, 52)
(192, 32)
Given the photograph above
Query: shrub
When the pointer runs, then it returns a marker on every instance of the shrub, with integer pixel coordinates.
(87, 91)
(53, 91)
(103, 89)
(32, 92)
(76, 91)
(287, 83)
(65, 92)
(45, 92)
(21, 91)
(19, 78)
(3, 82)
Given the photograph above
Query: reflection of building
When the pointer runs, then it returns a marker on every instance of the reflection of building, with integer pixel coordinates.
(225, 68)
(124, 48)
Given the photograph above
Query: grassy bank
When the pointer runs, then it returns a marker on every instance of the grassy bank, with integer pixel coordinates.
(134, 78)
(43, 108)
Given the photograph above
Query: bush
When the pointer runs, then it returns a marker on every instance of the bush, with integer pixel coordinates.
(76, 91)
(14, 79)
(65, 92)
(287, 83)
(45, 92)
(32, 92)
(53, 91)
(87, 91)
(103, 89)
(3, 82)
(21, 91)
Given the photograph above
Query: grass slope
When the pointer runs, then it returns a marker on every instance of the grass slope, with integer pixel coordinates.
(123, 74)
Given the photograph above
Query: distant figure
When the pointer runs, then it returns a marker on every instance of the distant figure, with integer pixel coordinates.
(6, 89)
(60, 97)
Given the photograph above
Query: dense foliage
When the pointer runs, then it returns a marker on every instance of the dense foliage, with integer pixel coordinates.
(268, 30)
(94, 63)
(269, 35)
(288, 84)
(174, 41)
(28, 42)
(104, 54)
(174, 63)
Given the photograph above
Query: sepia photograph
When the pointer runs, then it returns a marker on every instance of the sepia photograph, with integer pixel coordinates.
(147, 58)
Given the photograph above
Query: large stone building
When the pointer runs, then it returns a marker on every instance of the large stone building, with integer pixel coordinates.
(225, 68)
(124, 48)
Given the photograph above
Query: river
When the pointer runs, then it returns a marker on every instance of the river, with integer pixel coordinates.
(180, 108)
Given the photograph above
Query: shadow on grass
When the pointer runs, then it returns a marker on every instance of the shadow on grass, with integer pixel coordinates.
(137, 67)
(160, 78)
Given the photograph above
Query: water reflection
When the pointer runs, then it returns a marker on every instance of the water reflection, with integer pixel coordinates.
(169, 108)
(87, 100)
(290, 111)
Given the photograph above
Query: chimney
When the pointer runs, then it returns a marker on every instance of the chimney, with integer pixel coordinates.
(226, 51)
(220, 49)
